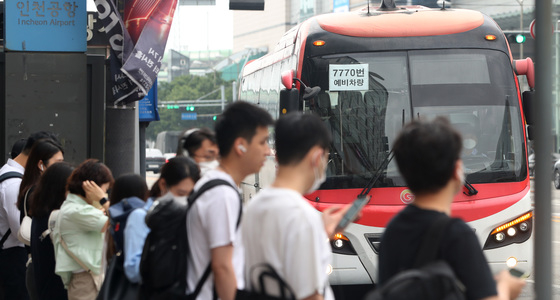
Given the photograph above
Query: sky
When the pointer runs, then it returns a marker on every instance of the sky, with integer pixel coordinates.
(198, 28)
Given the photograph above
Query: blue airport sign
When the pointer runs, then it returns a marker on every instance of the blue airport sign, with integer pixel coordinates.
(45, 25)
(188, 116)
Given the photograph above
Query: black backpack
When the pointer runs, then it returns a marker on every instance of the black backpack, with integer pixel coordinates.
(3, 177)
(163, 266)
(118, 215)
(429, 278)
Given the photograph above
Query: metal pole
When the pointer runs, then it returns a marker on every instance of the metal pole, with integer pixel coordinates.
(543, 146)
(234, 90)
(521, 28)
(223, 89)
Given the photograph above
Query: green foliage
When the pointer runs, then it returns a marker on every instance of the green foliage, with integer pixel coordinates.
(190, 87)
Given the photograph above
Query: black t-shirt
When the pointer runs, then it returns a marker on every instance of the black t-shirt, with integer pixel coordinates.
(459, 248)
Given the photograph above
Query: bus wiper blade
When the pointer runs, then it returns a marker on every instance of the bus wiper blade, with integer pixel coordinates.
(470, 188)
(374, 179)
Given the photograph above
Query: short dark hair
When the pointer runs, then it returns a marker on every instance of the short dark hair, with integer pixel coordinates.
(37, 136)
(426, 154)
(175, 171)
(91, 169)
(128, 185)
(51, 189)
(239, 119)
(17, 147)
(296, 133)
(42, 150)
(191, 140)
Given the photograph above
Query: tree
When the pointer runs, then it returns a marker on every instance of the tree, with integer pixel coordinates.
(190, 87)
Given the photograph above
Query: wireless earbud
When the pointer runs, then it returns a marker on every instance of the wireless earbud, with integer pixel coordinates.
(242, 148)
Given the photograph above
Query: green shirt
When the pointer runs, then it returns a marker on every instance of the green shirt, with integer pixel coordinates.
(80, 225)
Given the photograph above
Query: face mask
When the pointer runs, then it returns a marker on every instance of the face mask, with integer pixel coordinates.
(179, 199)
(469, 143)
(320, 177)
(206, 166)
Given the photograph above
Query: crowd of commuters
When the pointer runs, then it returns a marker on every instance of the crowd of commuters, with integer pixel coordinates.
(229, 241)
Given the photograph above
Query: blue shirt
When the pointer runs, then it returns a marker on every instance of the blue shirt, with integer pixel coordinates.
(135, 233)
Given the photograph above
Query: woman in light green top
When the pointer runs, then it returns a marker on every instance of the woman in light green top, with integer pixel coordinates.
(82, 224)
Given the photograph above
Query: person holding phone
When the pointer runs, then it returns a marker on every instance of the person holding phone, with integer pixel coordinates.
(280, 228)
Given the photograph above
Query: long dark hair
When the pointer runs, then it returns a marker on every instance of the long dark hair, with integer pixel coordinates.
(174, 171)
(128, 185)
(50, 191)
(43, 150)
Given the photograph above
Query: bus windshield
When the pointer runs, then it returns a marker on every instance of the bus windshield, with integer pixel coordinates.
(366, 99)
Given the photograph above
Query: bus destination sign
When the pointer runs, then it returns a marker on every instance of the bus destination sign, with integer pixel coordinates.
(348, 77)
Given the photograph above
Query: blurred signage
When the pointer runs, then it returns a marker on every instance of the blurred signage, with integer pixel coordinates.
(45, 25)
(188, 116)
(147, 107)
(341, 6)
(95, 31)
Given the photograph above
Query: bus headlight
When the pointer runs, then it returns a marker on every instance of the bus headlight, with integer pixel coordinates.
(500, 236)
(515, 231)
(340, 244)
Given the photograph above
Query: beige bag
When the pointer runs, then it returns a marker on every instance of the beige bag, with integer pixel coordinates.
(24, 232)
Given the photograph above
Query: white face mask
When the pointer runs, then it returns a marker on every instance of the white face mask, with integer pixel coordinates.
(320, 177)
(206, 166)
(469, 143)
(179, 199)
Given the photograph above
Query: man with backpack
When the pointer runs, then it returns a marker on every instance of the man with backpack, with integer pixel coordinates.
(281, 230)
(13, 255)
(213, 219)
(428, 157)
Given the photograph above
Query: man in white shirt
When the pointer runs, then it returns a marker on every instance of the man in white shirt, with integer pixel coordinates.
(13, 255)
(280, 228)
(212, 230)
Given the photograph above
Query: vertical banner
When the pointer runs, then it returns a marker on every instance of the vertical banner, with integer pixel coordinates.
(143, 65)
(122, 88)
(136, 57)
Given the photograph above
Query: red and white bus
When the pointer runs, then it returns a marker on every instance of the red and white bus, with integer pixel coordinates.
(377, 70)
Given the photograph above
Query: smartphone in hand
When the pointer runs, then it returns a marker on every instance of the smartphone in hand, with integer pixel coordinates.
(518, 273)
(352, 213)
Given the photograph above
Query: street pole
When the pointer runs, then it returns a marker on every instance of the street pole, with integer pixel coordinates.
(543, 146)
(521, 27)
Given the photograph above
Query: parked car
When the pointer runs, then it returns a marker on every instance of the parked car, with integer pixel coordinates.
(154, 160)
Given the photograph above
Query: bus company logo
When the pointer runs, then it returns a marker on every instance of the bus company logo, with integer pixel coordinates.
(407, 196)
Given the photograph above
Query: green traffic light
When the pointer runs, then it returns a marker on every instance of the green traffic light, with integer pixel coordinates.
(214, 118)
(520, 39)
(192, 108)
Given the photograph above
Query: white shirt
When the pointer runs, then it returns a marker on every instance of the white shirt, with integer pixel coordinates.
(280, 228)
(212, 223)
(9, 213)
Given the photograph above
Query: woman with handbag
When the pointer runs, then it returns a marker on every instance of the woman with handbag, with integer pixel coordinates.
(48, 196)
(44, 153)
(80, 230)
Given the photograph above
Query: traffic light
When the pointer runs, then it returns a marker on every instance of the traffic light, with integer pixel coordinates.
(516, 38)
(171, 106)
(214, 118)
(189, 108)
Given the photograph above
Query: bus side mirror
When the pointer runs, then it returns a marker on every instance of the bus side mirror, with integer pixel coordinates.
(289, 101)
(528, 99)
(527, 68)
